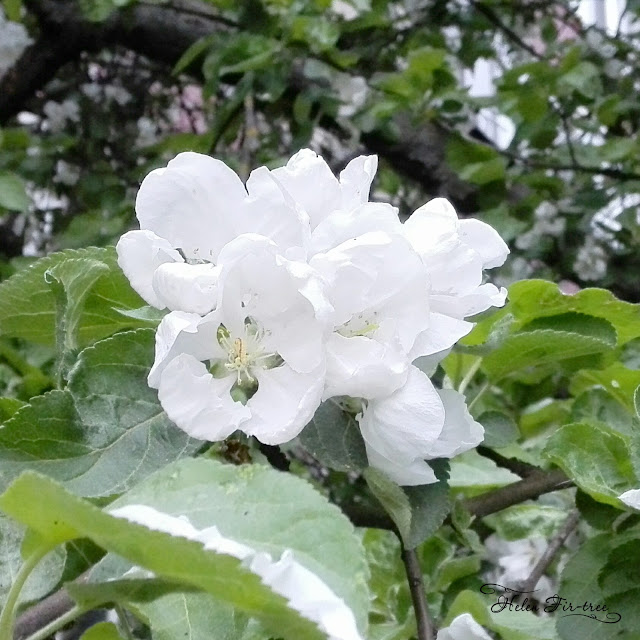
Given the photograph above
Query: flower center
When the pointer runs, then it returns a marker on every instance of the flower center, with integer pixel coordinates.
(359, 325)
(246, 353)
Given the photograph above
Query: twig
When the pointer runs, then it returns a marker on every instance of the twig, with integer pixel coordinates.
(547, 557)
(45, 612)
(526, 489)
(508, 31)
(520, 468)
(274, 455)
(426, 628)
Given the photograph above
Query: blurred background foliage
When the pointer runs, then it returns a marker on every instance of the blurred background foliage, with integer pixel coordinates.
(522, 113)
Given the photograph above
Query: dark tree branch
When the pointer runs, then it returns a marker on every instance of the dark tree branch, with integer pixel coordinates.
(46, 611)
(163, 33)
(547, 557)
(526, 489)
(520, 468)
(426, 628)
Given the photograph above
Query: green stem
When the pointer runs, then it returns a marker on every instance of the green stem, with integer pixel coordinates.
(478, 395)
(473, 369)
(8, 613)
(57, 624)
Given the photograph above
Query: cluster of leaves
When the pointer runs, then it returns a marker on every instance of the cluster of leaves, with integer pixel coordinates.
(385, 75)
(552, 378)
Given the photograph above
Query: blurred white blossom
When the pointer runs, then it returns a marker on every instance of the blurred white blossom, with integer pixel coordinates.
(591, 260)
(14, 39)
(304, 591)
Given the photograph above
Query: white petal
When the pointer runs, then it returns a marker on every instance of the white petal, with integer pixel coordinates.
(307, 593)
(285, 298)
(407, 474)
(363, 368)
(378, 278)
(464, 627)
(460, 432)
(469, 304)
(356, 179)
(284, 403)
(433, 228)
(311, 183)
(442, 333)
(485, 240)
(304, 591)
(403, 426)
(343, 225)
(181, 332)
(140, 253)
(187, 287)
(198, 403)
(271, 212)
(192, 203)
(631, 498)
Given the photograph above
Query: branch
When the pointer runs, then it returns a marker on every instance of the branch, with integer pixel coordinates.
(46, 611)
(520, 468)
(426, 628)
(547, 557)
(528, 488)
(508, 31)
(163, 33)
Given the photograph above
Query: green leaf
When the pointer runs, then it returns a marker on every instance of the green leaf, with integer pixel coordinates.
(102, 631)
(71, 281)
(550, 339)
(12, 9)
(188, 616)
(510, 625)
(42, 579)
(171, 611)
(392, 498)
(618, 381)
(474, 472)
(28, 302)
(620, 587)
(105, 432)
(417, 511)
(8, 406)
(531, 299)
(596, 405)
(13, 195)
(499, 429)
(333, 438)
(595, 457)
(249, 504)
(527, 520)
(579, 584)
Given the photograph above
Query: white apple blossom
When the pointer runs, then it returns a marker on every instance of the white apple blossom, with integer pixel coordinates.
(264, 345)
(514, 561)
(304, 591)
(463, 627)
(188, 212)
(378, 288)
(344, 298)
(14, 39)
(416, 423)
(455, 253)
(631, 498)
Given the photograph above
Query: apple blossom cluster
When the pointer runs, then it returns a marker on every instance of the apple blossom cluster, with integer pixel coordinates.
(295, 289)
